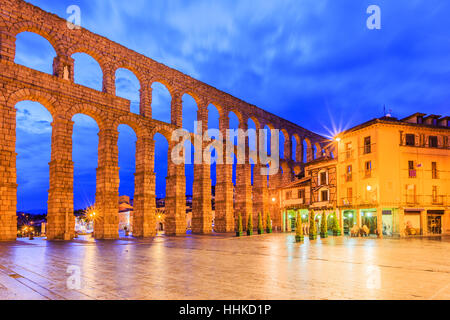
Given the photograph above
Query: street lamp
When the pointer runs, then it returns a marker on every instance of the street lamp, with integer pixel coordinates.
(274, 199)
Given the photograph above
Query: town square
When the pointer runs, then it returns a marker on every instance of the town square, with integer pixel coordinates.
(304, 165)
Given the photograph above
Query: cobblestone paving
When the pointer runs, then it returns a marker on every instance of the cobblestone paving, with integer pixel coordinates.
(224, 267)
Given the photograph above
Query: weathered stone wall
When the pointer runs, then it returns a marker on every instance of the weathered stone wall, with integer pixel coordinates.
(63, 99)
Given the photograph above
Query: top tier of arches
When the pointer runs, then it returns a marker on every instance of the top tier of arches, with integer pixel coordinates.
(24, 17)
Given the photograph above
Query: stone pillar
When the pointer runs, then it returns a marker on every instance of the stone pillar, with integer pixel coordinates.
(106, 225)
(201, 198)
(288, 149)
(224, 221)
(380, 222)
(63, 67)
(309, 154)
(109, 79)
(144, 221)
(7, 46)
(146, 100)
(175, 220)
(260, 195)
(8, 184)
(177, 109)
(60, 218)
(244, 186)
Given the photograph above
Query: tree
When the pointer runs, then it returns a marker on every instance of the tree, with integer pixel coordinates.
(323, 226)
(269, 223)
(239, 226)
(312, 226)
(335, 225)
(299, 237)
(260, 224)
(250, 225)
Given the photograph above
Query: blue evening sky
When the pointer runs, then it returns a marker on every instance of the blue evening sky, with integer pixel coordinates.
(313, 62)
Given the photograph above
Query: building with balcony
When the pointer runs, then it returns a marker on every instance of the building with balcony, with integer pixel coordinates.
(394, 175)
(316, 192)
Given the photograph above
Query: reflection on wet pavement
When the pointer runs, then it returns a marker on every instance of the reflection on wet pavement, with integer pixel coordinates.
(223, 267)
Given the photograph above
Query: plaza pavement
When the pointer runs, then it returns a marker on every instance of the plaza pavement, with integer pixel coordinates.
(270, 266)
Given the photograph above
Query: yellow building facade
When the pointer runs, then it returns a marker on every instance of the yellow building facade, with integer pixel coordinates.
(394, 176)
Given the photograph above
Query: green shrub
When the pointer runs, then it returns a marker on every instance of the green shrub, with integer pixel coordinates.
(323, 226)
(299, 237)
(312, 226)
(335, 225)
(250, 225)
(239, 226)
(260, 224)
(269, 223)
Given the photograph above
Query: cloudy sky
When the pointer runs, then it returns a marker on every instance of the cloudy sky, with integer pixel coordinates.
(311, 61)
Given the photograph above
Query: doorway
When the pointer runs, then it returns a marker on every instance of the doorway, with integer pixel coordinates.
(434, 224)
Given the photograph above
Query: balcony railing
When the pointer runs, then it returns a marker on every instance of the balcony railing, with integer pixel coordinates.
(346, 201)
(426, 200)
(412, 173)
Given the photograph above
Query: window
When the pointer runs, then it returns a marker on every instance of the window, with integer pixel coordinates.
(432, 141)
(367, 145)
(349, 174)
(435, 195)
(368, 168)
(434, 172)
(323, 178)
(324, 195)
(412, 169)
(348, 150)
(410, 140)
(301, 194)
(419, 120)
(288, 195)
(349, 194)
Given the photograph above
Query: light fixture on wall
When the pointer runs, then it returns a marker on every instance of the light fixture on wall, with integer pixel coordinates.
(369, 188)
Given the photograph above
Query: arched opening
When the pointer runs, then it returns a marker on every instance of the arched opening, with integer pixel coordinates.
(213, 124)
(314, 152)
(213, 119)
(127, 163)
(161, 102)
(234, 125)
(33, 148)
(85, 158)
(268, 139)
(128, 87)
(189, 174)
(160, 165)
(189, 113)
(282, 142)
(252, 135)
(35, 52)
(87, 71)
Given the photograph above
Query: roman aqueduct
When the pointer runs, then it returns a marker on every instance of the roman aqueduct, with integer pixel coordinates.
(64, 99)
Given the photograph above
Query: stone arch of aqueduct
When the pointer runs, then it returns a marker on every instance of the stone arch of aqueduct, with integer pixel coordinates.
(63, 99)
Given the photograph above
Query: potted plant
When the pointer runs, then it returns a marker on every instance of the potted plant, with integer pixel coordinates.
(299, 237)
(239, 226)
(260, 224)
(127, 232)
(323, 226)
(250, 225)
(335, 225)
(312, 226)
(269, 223)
